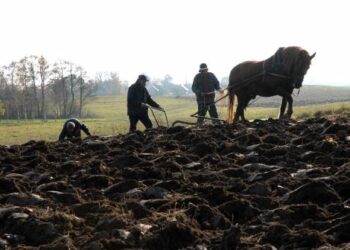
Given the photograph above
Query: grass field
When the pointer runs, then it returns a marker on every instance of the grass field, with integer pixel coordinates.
(111, 118)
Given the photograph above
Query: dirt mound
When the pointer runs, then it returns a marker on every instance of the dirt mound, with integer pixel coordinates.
(260, 185)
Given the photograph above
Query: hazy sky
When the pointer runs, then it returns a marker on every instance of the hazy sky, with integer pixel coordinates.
(159, 37)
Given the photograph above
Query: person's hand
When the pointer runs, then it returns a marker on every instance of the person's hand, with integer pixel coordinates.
(143, 105)
(221, 91)
(160, 108)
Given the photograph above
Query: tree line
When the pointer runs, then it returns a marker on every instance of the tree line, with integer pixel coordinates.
(33, 88)
(27, 85)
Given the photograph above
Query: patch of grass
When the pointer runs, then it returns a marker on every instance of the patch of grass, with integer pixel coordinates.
(320, 110)
(111, 117)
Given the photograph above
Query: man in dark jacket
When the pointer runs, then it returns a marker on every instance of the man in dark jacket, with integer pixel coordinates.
(71, 128)
(138, 98)
(204, 85)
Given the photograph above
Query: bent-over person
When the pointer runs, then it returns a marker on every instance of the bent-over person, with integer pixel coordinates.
(72, 129)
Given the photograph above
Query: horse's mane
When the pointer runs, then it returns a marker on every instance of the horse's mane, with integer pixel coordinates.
(294, 56)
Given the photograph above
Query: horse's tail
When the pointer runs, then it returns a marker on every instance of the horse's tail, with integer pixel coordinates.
(230, 113)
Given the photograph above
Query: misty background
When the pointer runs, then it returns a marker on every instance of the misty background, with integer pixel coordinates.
(54, 55)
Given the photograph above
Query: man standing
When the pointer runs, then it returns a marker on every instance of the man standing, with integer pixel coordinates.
(138, 98)
(71, 128)
(204, 85)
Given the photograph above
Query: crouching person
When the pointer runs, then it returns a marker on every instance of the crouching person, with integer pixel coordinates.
(72, 129)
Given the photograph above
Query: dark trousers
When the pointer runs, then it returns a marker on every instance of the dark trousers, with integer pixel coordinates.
(143, 118)
(202, 111)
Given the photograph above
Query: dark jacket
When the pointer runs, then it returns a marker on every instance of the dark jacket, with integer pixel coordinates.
(205, 82)
(138, 94)
(76, 132)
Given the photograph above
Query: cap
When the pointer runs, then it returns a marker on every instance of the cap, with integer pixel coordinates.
(70, 125)
(143, 77)
(203, 67)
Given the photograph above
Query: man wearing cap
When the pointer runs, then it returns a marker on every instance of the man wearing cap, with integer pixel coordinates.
(138, 98)
(204, 85)
(71, 128)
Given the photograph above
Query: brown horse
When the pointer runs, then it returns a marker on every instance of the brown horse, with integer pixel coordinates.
(277, 75)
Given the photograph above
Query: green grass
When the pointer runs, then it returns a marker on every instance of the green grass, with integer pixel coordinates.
(111, 118)
(18, 132)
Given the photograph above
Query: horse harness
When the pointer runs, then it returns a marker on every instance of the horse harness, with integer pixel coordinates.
(277, 64)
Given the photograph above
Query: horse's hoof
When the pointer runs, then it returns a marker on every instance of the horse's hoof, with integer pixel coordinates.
(285, 117)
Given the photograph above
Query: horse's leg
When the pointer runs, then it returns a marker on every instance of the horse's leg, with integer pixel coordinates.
(245, 103)
(283, 107)
(290, 106)
(241, 105)
(237, 113)
(239, 109)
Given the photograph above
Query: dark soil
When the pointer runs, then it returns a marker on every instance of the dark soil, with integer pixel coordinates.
(259, 185)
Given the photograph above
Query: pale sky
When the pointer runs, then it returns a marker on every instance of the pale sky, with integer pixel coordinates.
(160, 37)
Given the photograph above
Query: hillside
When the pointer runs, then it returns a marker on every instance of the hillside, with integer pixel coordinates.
(262, 185)
(310, 94)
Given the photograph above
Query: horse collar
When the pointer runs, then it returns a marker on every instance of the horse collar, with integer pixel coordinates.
(265, 72)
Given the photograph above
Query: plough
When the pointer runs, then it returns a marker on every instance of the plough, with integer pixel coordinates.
(240, 85)
(154, 116)
(195, 115)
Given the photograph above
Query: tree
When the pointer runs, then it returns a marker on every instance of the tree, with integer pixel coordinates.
(82, 75)
(59, 88)
(2, 108)
(10, 74)
(4, 95)
(109, 83)
(33, 71)
(86, 89)
(67, 83)
(43, 73)
(72, 77)
(22, 78)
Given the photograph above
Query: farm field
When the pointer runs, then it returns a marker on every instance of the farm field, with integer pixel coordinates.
(282, 185)
(110, 118)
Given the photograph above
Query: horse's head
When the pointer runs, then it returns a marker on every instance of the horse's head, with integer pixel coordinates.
(298, 62)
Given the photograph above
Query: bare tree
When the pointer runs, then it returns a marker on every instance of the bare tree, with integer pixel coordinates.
(33, 71)
(22, 78)
(109, 83)
(72, 78)
(66, 84)
(10, 73)
(43, 73)
(86, 89)
(4, 95)
(59, 83)
(82, 75)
